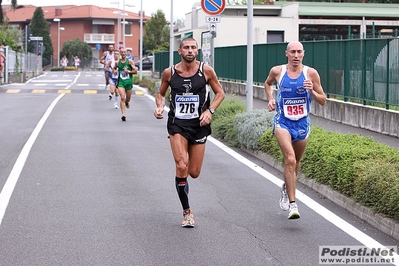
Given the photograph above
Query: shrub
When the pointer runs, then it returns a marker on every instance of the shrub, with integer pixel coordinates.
(223, 120)
(136, 79)
(268, 144)
(250, 126)
(378, 187)
(351, 164)
(145, 83)
(68, 68)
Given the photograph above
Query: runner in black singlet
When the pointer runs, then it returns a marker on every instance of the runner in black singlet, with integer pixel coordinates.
(189, 117)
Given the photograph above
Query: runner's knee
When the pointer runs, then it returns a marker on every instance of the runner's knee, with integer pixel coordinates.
(194, 173)
(290, 161)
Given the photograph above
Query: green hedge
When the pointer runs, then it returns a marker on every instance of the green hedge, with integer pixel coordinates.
(223, 120)
(68, 68)
(354, 165)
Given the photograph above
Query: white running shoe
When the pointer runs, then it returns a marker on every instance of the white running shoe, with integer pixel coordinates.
(284, 201)
(188, 219)
(116, 106)
(294, 213)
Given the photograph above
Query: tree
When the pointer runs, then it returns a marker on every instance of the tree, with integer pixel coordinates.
(157, 34)
(76, 47)
(13, 4)
(9, 36)
(40, 27)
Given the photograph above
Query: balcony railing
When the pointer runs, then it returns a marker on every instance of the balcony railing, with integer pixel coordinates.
(99, 38)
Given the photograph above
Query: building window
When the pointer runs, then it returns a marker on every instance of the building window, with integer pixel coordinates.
(128, 28)
(274, 36)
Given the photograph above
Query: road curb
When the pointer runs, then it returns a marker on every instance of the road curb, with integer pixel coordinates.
(386, 225)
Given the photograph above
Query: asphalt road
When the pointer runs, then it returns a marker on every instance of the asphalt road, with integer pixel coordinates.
(80, 187)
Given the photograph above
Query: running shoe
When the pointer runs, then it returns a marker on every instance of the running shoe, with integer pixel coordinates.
(123, 118)
(105, 87)
(188, 219)
(116, 106)
(284, 201)
(294, 213)
(110, 97)
(127, 105)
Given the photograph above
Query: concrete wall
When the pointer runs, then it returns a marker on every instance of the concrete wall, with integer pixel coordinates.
(367, 117)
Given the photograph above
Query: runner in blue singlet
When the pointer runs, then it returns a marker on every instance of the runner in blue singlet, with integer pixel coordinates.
(297, 85)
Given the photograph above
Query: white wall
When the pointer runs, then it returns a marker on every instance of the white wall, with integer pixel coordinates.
(232, 30)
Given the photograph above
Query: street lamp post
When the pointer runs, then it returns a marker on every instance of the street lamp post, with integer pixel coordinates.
(141, 39)
(119, 24)
(171, 40)
(124, 22)
(58, 43)
(123, 25)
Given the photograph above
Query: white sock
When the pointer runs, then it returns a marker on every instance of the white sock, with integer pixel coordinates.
(116, 100)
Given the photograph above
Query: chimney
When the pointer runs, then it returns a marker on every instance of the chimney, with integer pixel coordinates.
(58, 10)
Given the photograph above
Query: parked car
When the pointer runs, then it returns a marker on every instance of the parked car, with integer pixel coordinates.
(147, 63)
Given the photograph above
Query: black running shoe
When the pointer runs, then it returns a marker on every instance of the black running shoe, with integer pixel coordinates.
(123, 118)
(110, 97)
(127, 105)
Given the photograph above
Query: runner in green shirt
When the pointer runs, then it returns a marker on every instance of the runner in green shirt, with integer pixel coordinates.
(126, 70)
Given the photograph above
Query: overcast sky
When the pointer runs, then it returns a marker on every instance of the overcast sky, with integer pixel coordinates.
(180, 7)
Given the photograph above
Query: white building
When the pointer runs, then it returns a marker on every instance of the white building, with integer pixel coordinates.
(272, 23)
(287, 21)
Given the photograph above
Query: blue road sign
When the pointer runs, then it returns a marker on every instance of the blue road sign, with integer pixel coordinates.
(98, 46)
(213, 7)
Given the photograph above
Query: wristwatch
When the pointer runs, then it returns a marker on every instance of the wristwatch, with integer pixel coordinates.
(211, 110)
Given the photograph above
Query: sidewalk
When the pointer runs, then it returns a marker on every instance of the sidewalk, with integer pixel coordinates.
(386, 225)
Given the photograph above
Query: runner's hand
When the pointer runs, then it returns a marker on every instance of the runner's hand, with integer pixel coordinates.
(158, 113)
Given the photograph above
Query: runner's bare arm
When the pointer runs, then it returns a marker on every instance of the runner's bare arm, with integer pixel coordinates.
(213, 81)
(271, 78)
(134, 70)
(315, 88)
(103, 58)
(160, 97)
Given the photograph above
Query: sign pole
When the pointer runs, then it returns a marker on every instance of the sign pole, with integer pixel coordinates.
(213, 8)
(250, 59)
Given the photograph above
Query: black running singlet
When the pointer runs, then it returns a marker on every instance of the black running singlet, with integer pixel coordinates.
(189, 97)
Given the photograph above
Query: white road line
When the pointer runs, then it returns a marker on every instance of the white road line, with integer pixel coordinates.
(52, 80)
(316, 207)
(74, 81)
(322, 211)
(33, 79)
(76, 78)
(12, 179)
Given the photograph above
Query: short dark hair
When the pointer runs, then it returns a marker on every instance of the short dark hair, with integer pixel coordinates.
(187, 39)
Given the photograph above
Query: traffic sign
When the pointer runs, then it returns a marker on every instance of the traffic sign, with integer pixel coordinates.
(36, 38)
(98, 46)
(212, 19)
(213, 7)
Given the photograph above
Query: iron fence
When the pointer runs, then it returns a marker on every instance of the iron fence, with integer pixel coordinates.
(365, 71)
